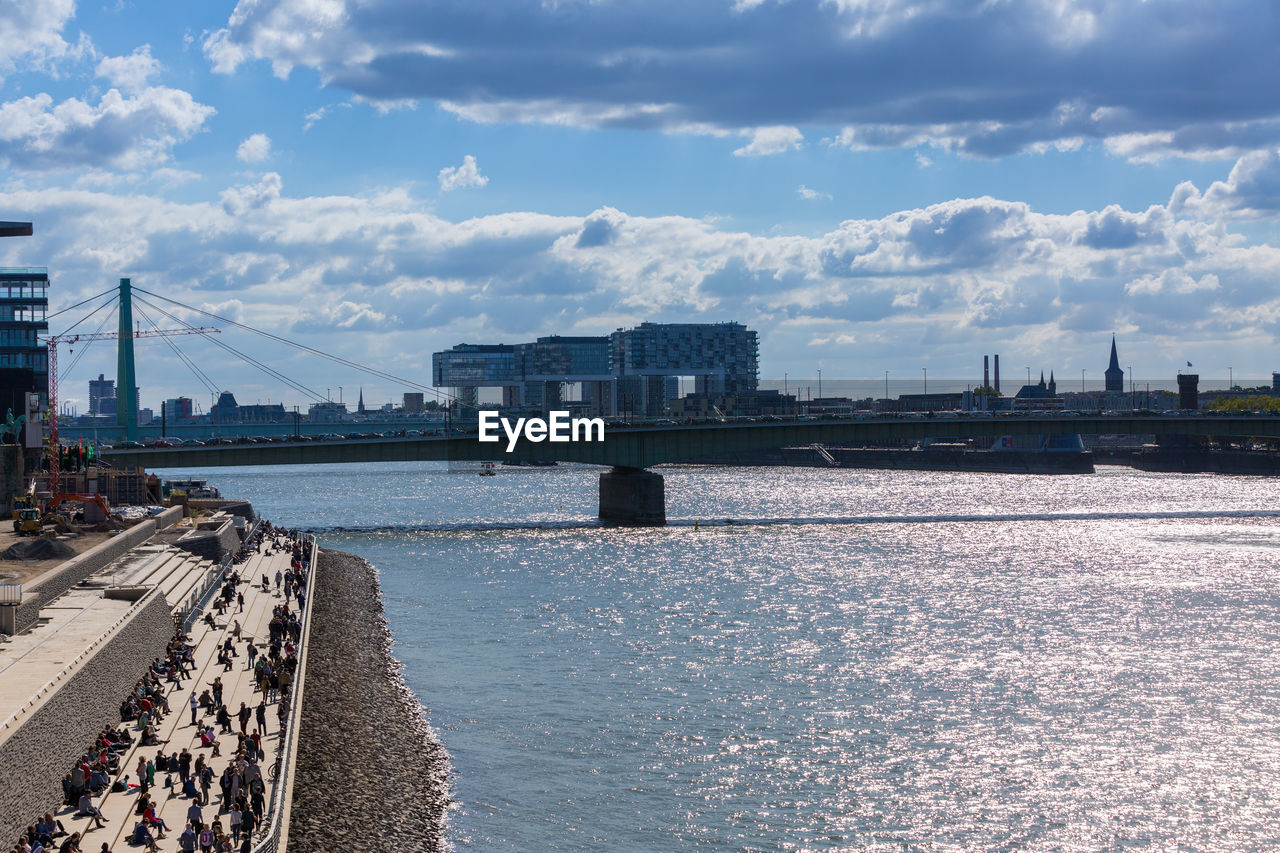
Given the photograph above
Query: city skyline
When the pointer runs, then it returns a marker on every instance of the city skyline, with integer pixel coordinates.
(870, 186)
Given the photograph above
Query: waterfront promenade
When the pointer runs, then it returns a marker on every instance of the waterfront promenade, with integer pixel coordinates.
(175, 575)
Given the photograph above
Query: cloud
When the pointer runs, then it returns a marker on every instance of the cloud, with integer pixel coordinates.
(130, 73)
(240, 200)
(462, 177)
(1147, 80)
(810, 194)
(771, 140)
(317, 115)
(31, 35)
(1252, 190)
(120, 131)
(255, 149)
(941, 278)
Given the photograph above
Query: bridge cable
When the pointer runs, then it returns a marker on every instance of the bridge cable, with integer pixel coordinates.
(106, 304)
(83, 350)
(82, 302)
(270, 371)
(200, 375)
(346, 362)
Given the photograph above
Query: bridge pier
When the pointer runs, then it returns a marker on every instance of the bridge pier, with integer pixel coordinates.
(633, 496)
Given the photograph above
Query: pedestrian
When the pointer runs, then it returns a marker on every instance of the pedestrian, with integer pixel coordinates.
(195, 708)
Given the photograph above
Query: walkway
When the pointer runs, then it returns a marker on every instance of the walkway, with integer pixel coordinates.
(176, 731)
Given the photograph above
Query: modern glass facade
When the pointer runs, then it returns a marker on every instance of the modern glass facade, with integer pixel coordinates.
(729, 352)
(475, 366)
(24, 308)
(626, 371)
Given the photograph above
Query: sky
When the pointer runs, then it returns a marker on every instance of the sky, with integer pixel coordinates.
(872, 185)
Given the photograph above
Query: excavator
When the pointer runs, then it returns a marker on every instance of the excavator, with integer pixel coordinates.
(29, 518)
(26, 515)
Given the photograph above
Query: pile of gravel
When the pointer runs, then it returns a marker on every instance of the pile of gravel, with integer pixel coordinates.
(368, 768)
(39, 548)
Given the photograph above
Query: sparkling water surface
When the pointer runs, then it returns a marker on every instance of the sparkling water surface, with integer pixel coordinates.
(829, 660)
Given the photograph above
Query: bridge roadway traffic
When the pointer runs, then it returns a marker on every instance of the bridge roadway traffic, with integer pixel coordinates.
(646, 446)
(630, 494)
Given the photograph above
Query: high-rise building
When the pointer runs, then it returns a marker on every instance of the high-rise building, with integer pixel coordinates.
(178, 408)
(1189, 391)
(99, 390)
(24, 307)
(413, 402)
(631, 370)
(1113, 374)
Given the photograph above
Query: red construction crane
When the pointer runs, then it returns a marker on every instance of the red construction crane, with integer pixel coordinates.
(55, 449)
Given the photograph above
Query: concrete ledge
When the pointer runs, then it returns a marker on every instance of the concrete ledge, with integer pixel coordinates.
(79, 567)
(170, 517)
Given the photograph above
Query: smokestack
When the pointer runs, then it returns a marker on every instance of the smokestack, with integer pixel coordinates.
(986, 372)
(997, 374)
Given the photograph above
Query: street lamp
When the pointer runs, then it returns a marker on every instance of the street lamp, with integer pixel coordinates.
(1082, 370)
(926, 385)
(1231, 378)
(886, 386)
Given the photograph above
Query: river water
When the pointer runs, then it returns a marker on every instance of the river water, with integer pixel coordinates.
(858, 660)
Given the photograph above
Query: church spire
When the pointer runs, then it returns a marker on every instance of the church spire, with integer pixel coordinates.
(1113, 374)
(360, 405)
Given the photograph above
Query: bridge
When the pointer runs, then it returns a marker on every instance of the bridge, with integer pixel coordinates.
(631, 494)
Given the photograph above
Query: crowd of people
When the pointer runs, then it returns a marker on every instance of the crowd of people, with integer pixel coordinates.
(241, 788)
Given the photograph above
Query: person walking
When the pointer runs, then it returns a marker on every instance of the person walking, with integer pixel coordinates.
(195, 708)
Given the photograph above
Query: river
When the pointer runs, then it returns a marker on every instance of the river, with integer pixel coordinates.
(814, 660)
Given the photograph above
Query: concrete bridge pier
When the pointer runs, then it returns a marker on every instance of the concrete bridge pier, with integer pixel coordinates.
(633, 496)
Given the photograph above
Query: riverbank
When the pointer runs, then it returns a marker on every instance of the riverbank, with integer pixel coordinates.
(369, 770)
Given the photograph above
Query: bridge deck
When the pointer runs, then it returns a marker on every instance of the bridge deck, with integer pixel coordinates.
(642, 447)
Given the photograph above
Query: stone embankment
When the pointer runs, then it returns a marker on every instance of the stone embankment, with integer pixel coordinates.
(370, 773)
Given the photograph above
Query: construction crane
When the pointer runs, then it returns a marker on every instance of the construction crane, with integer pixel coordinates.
(55, 448)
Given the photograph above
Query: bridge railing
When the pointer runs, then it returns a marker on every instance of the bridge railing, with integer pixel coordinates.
(277, 835)
(200, 596)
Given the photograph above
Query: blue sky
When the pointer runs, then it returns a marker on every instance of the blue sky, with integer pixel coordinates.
(873, 185)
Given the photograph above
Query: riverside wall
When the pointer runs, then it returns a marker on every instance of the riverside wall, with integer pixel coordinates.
(41, 750)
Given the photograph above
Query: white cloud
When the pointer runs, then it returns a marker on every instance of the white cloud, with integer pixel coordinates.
(771, 140)
(124, 132)
(130, 73)
(922, 161)
(947, 276)
(462, 177)
(317, 115)
(1031, 76)
(240, 200)
(31, 34)
(811, 194)
(255, 149)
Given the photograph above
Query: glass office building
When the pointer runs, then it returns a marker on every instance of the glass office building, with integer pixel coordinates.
(24, 307)
(631, 371)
